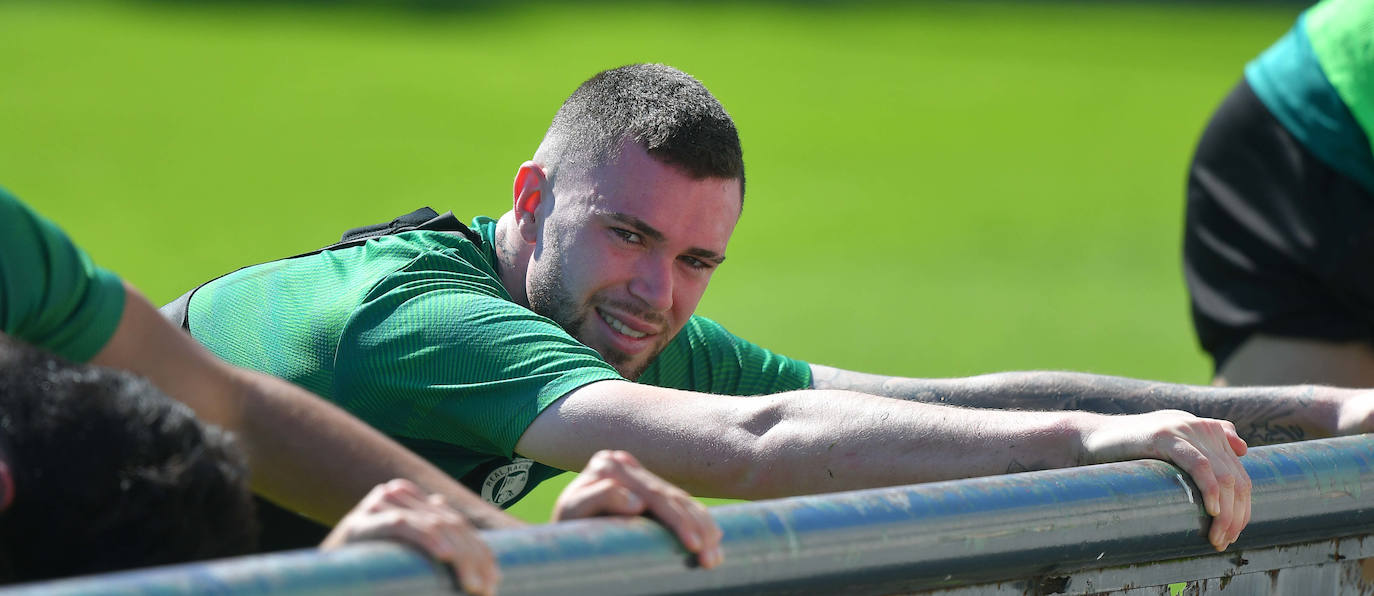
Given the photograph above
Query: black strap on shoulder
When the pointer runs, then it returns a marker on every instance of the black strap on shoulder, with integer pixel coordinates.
(424, 218)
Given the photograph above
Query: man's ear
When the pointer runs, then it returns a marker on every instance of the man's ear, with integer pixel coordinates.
(531, 186)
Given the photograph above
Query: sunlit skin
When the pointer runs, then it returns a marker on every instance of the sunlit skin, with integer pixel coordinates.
(620, 255)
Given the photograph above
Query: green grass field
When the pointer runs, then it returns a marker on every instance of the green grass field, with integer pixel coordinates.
(935, 189)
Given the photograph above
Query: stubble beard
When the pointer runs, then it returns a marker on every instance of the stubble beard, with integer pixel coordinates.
(549, 297)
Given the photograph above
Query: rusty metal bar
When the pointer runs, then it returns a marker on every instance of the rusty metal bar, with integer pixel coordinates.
(919, 537)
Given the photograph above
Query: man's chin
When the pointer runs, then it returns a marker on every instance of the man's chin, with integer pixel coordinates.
(628, 367)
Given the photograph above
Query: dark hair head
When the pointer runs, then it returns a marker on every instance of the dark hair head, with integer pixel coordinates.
(664, 110)
(109, 473)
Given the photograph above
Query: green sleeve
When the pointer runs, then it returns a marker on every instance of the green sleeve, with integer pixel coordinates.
(51, 295)
(705, 357)
(432, 358)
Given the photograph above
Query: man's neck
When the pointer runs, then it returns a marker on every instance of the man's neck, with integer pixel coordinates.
(512, 258)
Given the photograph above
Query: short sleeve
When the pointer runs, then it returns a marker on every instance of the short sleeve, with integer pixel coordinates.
(705, 357)
(51, 294)
(437, 356)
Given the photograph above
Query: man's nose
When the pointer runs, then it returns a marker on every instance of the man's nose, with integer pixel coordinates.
(653, 283)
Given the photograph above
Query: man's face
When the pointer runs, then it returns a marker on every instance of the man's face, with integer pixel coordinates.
(626, 253)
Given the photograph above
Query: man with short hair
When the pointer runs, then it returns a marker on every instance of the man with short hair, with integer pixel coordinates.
(305, 453)
(567, 326)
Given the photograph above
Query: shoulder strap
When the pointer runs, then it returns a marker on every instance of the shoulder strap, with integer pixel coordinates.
(424, 218)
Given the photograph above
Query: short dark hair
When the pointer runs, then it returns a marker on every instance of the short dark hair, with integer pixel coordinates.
(110, 473)
(666, 111)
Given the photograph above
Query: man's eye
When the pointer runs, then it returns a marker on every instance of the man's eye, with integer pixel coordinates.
(626, 235)
(696, 263)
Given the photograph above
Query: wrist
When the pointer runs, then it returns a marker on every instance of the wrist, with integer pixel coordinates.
(1321, 410)
(1080, 437)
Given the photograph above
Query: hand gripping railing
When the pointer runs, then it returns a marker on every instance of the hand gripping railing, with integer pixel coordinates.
(925, 536)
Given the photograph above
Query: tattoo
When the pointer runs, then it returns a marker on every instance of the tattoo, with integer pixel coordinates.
(1261, 414)
(1273, 433)
(1015, 467)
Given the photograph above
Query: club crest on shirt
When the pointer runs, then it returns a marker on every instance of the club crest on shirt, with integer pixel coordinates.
(505, 482)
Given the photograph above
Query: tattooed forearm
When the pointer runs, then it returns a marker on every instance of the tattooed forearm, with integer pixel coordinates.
(1261, 414)
(1267, 433)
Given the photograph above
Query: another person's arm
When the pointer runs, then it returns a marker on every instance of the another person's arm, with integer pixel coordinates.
(304, 452)
(1262, 415)
(819, 441)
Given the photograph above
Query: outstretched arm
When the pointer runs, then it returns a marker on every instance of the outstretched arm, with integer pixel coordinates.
(820, 441)
(1262, 415)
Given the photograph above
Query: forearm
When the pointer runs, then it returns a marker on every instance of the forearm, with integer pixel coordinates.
(320, 460)
(828, 440)
(1262, 415)
(800, 442)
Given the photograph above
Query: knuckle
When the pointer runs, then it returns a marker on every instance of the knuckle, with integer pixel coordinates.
(626, 458)
(460, 522)
(392, 519)
(1200, 463)
(602, 464)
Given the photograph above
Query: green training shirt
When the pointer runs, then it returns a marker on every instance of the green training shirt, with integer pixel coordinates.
(51, 295)
(415, 334)
(1318, 80)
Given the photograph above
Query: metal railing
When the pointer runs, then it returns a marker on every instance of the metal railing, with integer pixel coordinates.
(1113, 527)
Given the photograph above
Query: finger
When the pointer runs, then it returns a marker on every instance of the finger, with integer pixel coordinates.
(625, 458)
(426, 522)
(1227, 517)
(474, 563)
(601, 464)
(400, 493)
(675, 512)
(606, 496)
(421, 503)
(1200, 469)
(666, 502)
(471, 553)
(1240, 479)
(672, 506)
(449, 540)
(706, 527)
(1243, 504)
(1237, 444)
(377, 498)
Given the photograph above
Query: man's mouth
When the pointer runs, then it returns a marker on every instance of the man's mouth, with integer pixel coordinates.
(619, 326)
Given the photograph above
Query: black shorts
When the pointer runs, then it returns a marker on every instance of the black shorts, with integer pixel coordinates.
(1276, 242)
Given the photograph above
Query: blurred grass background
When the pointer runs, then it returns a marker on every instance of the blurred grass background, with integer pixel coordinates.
(935, 189)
